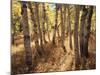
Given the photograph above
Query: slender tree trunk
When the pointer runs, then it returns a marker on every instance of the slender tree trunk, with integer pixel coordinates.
(58, 31)
(82, 37)
(12, 28)
(36, 35)
(28, 52)
(47, 28)
(38, 24)
(64, 20)
(21, 29)
(13, 33)
(12, 38)
(76, 48)
(62, 30)
(44, 20)
(88, 26)
(58, 25)
(47, 24)
(82, 28)
(69, 28)
(55, 28)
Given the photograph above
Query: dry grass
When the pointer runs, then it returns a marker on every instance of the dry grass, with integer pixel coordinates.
(53, 60)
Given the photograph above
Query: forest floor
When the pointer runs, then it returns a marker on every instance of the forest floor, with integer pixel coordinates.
(54, 59)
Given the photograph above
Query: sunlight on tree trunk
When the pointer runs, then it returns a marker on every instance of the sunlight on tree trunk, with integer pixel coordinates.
(69, 28)
(44, 21)
(62, 30)
(33, 16)
(39, 29)
(55, 27)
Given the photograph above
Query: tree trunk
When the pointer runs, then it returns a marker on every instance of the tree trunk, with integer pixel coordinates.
(62, 30)
(64, 20)
(38, 24)
(44, 20)
(28, 52)
(21, 29)
(47, 23)
(58, 31)
(69, 29)
(12, 38)
(88, 26)
(13, 33)
(82, 37)
(48, 34)
(55, 28)
(36, 35)
(76, 47)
